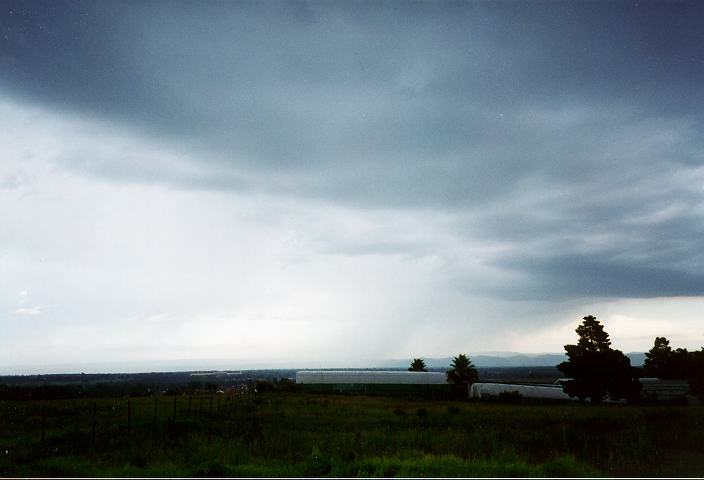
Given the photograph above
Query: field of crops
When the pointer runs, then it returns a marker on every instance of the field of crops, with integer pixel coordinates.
(296, 434)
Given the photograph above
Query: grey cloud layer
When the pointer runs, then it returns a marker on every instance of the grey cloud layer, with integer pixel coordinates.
(569, 134)
(297, 85)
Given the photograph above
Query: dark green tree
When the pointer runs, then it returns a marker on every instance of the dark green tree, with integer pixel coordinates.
(667, 364)
(418, 365)
(658, 360)
(597, 371)
(696, 373)
(680, 364)
(663, 362)
(462, 373)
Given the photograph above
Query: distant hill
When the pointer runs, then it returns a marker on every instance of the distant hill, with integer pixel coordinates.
(637, 358)
(483, 360)
(505, 360)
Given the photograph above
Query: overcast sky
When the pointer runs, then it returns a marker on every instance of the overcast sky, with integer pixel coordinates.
(330, 183)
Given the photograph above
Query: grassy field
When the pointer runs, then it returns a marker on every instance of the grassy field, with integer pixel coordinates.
(294, 434)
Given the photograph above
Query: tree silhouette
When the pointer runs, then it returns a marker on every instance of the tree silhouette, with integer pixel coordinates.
(667, 364)
(418, 365)
(596, 370)
(680, 364)
(696, 373)
(658, 359)
(462, 373)
(663, 362)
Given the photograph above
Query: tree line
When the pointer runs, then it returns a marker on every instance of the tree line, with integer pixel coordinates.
(597, 371)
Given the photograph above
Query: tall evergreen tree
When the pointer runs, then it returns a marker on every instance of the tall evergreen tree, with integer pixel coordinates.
(658, 359)
(597, 371)
(696, 373)
(667, 364)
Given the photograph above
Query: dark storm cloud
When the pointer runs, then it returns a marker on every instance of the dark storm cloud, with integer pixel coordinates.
(573, 128)
(297, 85)
(597, 277)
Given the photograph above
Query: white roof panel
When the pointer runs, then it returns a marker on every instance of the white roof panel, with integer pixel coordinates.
(370, 376)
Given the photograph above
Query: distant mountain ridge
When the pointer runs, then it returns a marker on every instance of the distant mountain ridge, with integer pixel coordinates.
(483, 360)
(507, 360)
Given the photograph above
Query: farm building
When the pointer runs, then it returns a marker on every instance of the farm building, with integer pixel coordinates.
(374, 382)
(663, 390)
(652, 389)
(540, 392)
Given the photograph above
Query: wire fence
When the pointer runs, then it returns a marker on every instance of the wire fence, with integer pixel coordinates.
(26, 423)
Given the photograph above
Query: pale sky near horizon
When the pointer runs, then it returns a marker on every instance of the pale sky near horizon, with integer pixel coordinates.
(340, 182)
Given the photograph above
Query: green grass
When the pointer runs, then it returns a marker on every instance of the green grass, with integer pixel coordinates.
(335, 435)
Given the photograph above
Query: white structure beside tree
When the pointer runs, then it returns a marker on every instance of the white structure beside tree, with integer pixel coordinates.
(542, 392)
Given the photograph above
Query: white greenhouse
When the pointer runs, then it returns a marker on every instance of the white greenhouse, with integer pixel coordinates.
(543, 392)
(375, 382)
(366, 377)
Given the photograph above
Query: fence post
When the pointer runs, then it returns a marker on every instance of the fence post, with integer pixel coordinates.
(174, 416)
(200, 409)
(190, 397)
(218, 404)
(95, 420)
(129, 418)
(211, 404)
(156, 403)
(43, 424)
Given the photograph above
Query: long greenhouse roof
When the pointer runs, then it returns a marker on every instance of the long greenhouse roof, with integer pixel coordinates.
(368, 377)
